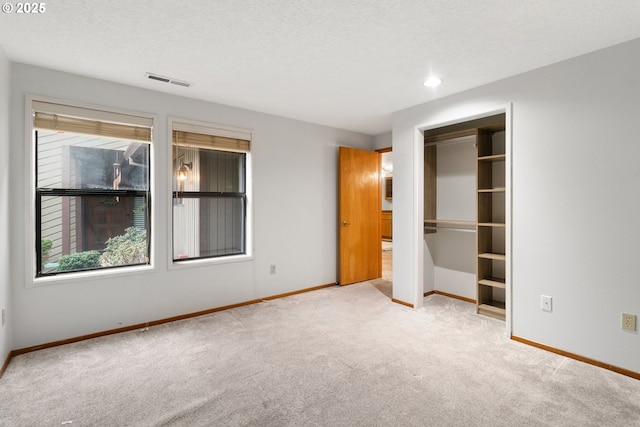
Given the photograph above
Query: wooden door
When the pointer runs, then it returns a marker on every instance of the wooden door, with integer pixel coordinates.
(360, 199)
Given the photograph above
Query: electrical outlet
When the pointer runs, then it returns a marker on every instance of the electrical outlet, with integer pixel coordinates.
(629, 321)
(545, 303)
(3, 317)
(272, 269)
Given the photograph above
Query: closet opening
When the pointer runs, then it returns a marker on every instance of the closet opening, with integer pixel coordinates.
(465, 213)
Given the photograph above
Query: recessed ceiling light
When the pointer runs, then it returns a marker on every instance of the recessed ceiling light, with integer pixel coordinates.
(432, 82)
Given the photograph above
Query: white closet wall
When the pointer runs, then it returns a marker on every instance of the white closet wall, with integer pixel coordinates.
(452, 252)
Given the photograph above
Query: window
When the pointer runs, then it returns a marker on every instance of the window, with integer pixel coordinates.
(92, 196)
(209, 191)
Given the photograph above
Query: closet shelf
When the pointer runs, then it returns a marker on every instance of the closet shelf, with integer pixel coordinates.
(493, 282)
(490, 255)
(493, 158)
(491, 241)
(493, 309)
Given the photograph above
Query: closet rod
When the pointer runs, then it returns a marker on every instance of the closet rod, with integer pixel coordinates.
(466, 230)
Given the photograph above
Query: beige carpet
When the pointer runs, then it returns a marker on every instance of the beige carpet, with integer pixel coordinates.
(334, 357)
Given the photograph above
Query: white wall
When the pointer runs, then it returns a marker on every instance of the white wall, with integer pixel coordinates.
(5, 253)
(575, 201)
(294, 205)
(384, 140)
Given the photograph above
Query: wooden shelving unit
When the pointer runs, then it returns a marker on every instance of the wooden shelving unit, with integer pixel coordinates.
(491, 258)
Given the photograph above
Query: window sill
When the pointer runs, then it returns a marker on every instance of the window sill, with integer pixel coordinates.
(193, 263)
(83, 276)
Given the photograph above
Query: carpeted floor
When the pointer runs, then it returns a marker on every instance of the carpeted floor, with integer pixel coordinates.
(334, 357)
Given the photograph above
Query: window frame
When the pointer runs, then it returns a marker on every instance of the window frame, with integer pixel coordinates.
(219, 130)
(32, 253)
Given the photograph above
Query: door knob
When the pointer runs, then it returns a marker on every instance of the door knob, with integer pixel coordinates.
(345, 223)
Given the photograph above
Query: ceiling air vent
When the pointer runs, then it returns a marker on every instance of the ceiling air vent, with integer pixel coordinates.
(168, 80)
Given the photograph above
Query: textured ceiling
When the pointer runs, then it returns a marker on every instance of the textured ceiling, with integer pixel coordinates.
(342, 63)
